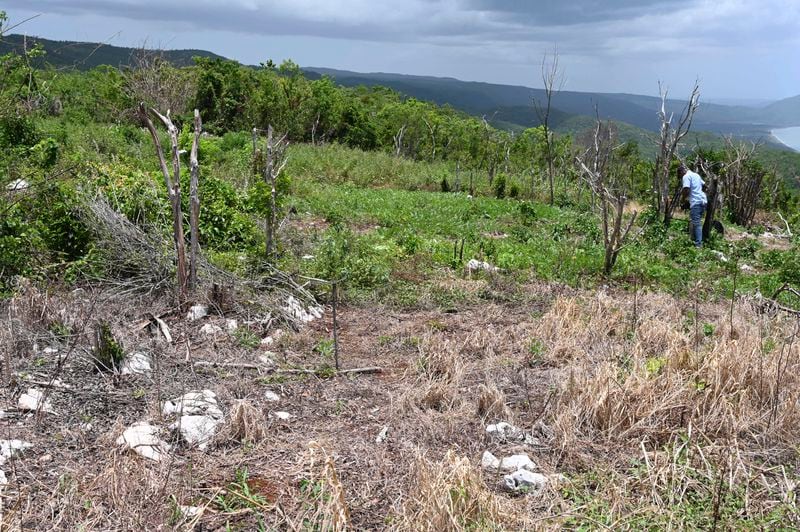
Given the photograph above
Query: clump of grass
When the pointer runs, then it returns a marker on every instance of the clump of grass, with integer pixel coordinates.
(245, 424)
(449, 495)
(491, 403)
(108, 353)
(323, 494)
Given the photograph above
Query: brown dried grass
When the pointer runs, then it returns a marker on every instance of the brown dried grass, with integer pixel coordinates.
(449, 495)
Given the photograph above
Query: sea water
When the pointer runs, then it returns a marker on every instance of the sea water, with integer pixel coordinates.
(790, 136)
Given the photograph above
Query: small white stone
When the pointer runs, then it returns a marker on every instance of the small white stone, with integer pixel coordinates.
(231, 325)
(476, 265)
(190, 511)
(508, 464)
(18, 184)
(269, 340)
(268, 359)
(200, 403)
(210, 329)
(382, 436)
(524, 480)
(489, 461)
(283, 416)
(747, 268)
(34, 400)
(137, 363)
(269, 395)
(3, 479)
(720, 255)
(50, 350)
(9, 448)
(143, 439)
(197, 312)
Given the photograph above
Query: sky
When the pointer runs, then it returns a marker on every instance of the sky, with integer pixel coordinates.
(737, 49)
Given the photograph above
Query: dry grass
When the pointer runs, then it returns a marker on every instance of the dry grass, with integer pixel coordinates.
(323, 492)
(245, 424)
(449, 496)
(654, 425)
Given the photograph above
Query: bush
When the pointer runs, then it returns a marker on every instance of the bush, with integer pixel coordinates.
(499, 186)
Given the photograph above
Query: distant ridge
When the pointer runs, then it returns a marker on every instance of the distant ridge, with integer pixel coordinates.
(87, 55)
(507, 106)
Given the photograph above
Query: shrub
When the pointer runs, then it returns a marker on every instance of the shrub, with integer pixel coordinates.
(499, 186)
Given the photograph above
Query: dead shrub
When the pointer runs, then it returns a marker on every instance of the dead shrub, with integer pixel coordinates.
(245, 424)
(491, 403)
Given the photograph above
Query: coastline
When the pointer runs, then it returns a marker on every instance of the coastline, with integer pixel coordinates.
(793, 143)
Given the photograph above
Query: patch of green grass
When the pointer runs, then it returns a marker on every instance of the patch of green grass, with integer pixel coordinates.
(246, 338)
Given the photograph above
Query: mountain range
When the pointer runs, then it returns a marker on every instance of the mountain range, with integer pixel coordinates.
(506, 106)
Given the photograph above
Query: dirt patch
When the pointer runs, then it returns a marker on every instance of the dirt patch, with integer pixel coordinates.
(571, 364)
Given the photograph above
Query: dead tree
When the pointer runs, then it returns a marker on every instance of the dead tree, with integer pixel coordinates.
(553, 81)
(597, 170)
(398, 141)
(743, 181)
(275, 163)
(174, 188)
(669, 138)
(194, 203)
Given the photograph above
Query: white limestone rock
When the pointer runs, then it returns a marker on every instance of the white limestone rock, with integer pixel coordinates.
(18, 185)
(198, 415)
(283, 416)
(303, 314)
(34, 400)
(143, 438)
(507, 464)
(475, 265)
(196, 430)
(526, 481)
(199, 403)
(209, 329)
(9, 448)
(197, 312)
(137, 363)
(271, 396)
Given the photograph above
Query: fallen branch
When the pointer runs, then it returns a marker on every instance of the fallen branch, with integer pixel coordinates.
(242, 365)
(366, 370)
(772, 304)
(788, 230)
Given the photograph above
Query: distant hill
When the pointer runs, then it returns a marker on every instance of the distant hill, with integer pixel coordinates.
(506, 106)
(85, 55)
(511, 104)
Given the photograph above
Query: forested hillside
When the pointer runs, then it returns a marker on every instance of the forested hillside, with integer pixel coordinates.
(252, 298)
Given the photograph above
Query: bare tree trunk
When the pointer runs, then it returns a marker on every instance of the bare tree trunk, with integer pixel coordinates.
(174, 188)
(553, 81)
(669, 139)
(269, 178)
(611, 195)
(194, 203)
(398, 141)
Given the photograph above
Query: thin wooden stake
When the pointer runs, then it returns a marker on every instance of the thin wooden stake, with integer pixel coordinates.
(194, 203)
(335, 291)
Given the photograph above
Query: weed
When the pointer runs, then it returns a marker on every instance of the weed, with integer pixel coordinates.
(246, 338)
(108, 353)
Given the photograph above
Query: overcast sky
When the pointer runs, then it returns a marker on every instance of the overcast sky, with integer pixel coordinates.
(737, 48)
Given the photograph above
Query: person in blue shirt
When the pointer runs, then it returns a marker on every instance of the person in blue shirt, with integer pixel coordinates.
(694, 190)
